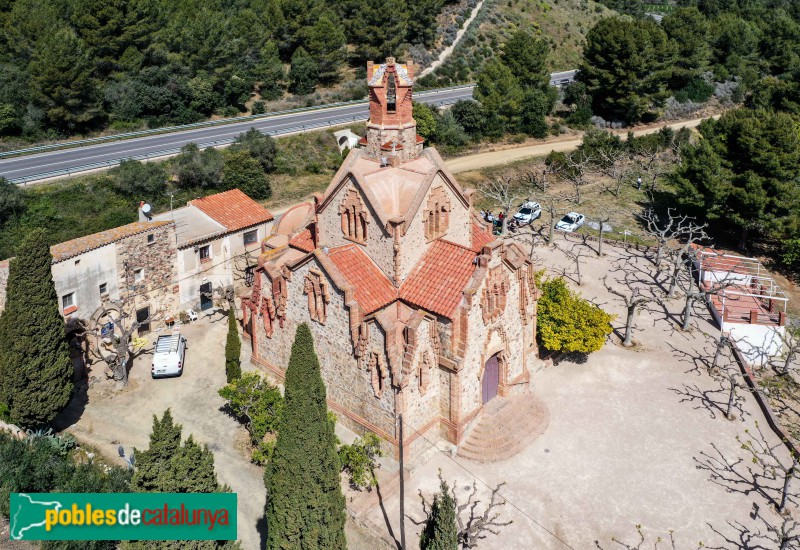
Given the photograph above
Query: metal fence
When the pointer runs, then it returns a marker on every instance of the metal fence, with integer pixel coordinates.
(202, 145)
(209, 123)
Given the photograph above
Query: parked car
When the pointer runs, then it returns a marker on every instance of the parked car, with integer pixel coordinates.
(169, 356)
(571, 222)
(528, 212)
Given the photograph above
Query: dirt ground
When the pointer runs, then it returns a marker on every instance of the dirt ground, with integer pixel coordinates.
(106, 418)
(567, 143)
(627, 441)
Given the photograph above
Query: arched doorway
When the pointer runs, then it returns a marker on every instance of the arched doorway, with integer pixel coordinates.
(491, 378)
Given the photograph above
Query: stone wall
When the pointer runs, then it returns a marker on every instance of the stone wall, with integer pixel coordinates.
(3, 283)
(349, 386)
(159, 287)
(484, 339)
(379, 244)
(421, 407)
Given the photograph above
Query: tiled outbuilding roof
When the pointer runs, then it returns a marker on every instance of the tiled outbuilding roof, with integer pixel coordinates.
(372, 288)
(75, 247)
(480, 237)
(233, 209)
(437, 282)
(303, 241)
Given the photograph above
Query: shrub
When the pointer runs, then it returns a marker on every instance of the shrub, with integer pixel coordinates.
(243, 172)
(259, 107)
(138, 179)
(791, 253)
(358, 461)
(569, 323)
(256, 403)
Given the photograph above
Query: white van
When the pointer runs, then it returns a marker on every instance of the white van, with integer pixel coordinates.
(169, 356)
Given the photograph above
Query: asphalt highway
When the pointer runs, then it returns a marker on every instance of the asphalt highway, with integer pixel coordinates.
(65, 162)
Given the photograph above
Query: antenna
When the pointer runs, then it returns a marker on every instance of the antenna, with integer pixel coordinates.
(147, 210)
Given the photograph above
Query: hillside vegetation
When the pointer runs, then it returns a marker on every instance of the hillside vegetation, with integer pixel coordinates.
(562, 23)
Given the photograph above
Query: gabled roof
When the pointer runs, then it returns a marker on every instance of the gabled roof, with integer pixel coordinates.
(392, 192)
(233, 209)
(372, 289)
(481, 236)
(303, 241)
(75, 247)
(439, 278)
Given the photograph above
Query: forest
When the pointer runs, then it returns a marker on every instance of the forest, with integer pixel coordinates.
(74, 66)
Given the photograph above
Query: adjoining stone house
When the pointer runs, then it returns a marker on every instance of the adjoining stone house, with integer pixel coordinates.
(415, 309)
(218, 238)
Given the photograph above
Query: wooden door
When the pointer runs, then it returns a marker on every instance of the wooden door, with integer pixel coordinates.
(491, 378)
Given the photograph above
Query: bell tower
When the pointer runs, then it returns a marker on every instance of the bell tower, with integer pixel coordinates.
(391, 130)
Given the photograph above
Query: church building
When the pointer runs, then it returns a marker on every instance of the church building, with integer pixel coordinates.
(414, 307)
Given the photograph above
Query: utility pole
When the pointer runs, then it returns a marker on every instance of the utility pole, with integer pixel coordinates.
(402, 491)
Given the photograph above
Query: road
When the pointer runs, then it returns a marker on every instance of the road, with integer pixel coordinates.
(66, 162)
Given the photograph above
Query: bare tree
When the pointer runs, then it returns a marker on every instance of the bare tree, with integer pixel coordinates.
(775, 467)
(790, 341)
(114, 325)
(677, 237)
(602, 222)
(643, 543)
(780, 534)
(474, 526)
(699, 291)
(574, 168)
(615, 164)
(633, 300)
(504, 191)
(539, 174)
(576, 257)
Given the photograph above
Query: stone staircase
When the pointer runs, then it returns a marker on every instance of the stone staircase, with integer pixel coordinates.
(506, 426)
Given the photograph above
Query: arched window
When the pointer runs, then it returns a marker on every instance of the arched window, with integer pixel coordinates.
(391, 95)
(377, 373)
(424, 372)
(316, 288)
(493, 299)
(437, 214)
(354, 217)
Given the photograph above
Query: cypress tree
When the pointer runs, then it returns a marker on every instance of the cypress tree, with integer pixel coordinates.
(233, 348)
(153, 465)
(441, 531)
(305, 505)
(35, 367)
(169, 467)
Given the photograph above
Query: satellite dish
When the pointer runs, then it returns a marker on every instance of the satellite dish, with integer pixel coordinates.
(147, 210)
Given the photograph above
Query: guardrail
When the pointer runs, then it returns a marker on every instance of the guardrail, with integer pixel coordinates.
(205, 124)
(176, 150)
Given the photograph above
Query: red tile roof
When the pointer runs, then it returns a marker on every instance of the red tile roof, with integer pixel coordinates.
(75, 247)
(233, 209)
(437, 282)
(303, 241)
(373, 289)
(480, 237)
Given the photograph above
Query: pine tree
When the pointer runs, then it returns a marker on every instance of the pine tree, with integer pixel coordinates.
(305, 506)
(441, 530)
(326, 44)
(233, 348)
(303, 74)
(62, 80)
(35, 367)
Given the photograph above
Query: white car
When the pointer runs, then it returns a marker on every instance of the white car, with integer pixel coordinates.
(169, 355)
(528, 212)
(571, 222)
